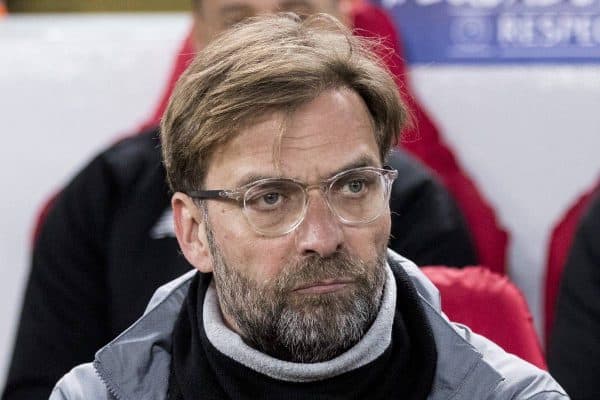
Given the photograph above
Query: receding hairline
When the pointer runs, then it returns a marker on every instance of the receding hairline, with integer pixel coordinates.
(289, 112)
(285, 114)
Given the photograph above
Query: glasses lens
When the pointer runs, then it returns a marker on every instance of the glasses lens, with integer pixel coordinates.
(274, 207)
(359, 196)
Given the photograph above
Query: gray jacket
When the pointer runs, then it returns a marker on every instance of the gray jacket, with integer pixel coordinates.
(136, 364)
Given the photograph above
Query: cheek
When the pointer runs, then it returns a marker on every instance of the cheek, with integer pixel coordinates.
(386, 228)
(265, 259)
(367, 241)
(259, 258)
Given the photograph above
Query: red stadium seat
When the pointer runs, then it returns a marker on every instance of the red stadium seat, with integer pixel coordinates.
(558, 251)
(491, 305)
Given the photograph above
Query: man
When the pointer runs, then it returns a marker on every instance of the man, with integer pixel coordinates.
(274, 145)
(108, 242)
(574, 348)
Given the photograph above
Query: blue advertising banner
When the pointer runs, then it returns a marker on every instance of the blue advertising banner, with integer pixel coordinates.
(498, 31)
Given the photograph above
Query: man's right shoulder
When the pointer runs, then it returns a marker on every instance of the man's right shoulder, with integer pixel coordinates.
(82, 382)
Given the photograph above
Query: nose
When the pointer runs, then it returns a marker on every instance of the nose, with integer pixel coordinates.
(320, 232)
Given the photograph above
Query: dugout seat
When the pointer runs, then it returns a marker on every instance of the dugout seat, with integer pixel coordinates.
(491, 305)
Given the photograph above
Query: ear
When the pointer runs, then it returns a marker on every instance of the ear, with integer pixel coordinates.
(190, 230)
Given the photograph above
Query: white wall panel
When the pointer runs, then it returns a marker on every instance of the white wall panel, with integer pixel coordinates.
(530, 137)
(69, 86)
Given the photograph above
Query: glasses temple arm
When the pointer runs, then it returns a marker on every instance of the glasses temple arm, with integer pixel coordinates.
(208, 194)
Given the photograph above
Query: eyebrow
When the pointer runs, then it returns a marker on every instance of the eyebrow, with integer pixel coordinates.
(249, 178)
(362, 161)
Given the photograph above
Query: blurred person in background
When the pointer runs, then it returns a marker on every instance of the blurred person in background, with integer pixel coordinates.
(107, 240)
(282, 207)
(574, 348)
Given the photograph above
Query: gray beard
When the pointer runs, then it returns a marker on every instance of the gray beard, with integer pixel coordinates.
(302, 328)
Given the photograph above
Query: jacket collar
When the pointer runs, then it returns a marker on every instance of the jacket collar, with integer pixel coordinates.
(461, 373)
(136, 364)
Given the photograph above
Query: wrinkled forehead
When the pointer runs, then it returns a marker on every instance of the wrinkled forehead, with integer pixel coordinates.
(312, 141)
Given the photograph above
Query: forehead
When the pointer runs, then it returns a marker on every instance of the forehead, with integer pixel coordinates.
(313, 143)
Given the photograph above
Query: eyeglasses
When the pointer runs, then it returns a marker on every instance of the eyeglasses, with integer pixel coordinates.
(276, 206)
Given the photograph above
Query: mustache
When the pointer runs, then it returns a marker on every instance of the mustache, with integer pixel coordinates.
(316, 268)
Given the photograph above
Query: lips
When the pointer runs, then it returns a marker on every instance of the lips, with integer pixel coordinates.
(324, 286)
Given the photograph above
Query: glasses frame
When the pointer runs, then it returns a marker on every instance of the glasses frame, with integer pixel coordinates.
(238, 195)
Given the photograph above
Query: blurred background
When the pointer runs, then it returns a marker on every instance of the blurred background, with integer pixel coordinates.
(513, 85)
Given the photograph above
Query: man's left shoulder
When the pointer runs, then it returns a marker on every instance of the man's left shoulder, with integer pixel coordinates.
(519, 378)
(470, 366)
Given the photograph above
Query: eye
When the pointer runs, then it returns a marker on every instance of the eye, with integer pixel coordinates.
(354, 186)
(271, 198)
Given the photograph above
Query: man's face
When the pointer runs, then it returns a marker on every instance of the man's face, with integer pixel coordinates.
(214, 16)
(312, 293)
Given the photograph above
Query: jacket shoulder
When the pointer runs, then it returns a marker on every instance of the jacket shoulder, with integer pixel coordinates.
(470, 366)
(136, 346)
(520, 379)
(82, 382)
